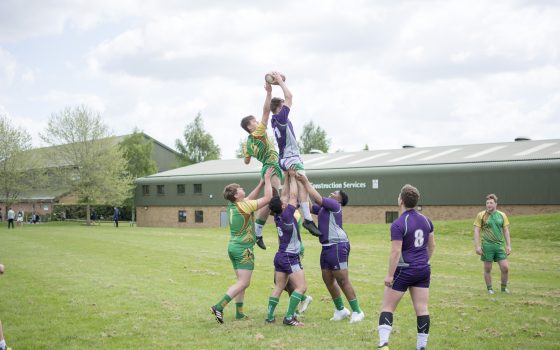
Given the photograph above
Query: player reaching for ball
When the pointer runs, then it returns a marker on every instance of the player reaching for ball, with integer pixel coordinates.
(260, 146)
(288, 149)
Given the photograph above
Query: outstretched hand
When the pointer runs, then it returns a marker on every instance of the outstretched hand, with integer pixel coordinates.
(268, 87)
(268, 174)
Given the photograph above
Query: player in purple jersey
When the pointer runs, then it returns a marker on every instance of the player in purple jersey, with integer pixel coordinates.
(287, 264)
(412, 246)
(288, 149)
(335, 251)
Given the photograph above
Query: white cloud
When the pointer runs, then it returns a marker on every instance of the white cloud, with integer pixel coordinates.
(383, 73)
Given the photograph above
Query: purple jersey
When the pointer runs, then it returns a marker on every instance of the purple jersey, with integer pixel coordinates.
(284, 133)
(288, 231)
(329, 217)
(413, 229)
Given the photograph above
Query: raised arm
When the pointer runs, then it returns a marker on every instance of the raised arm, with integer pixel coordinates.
(255, 193)
(313, 194)
(287, 93)
(266, 106)
(263, 201)
(286, 188)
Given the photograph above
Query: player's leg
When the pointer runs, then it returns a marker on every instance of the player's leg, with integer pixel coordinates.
(280, 280)
(263, 214)
(488, 276)
(239, 301)
(242, 260)
(420, 298)
(504, 269)
(303, 200)
(340, 311)
(298, 279)
(342, 278)
(391, 298)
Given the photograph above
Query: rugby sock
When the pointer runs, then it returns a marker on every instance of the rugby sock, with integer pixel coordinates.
(504, 287)
(338, 303)
(239, 310)
(222, 303)
(385, 327)
(272, 302)
(306, 212)
(259, 224)
(355, 305)
(3, 344)
(295, 299)
(489, 287)
(423, 327)
(303, 297)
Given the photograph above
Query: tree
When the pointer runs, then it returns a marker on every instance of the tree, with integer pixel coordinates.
(239, 151)
(20, 168)
(90, 163)
(199, 145)
(137, 152)
(313, 137)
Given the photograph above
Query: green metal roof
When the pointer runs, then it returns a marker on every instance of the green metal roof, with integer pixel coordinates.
(425, 156)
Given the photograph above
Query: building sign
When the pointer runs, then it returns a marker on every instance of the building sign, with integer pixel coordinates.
(375, 183)
(339, 185)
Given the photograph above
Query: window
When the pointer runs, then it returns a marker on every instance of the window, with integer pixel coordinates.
(391, 216)
(161, 189)
(182, 216)
(198, 216)
(146, 190)
(197, 188)
(180, 189)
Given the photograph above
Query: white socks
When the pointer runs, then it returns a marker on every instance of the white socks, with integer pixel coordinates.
(422, 340)
(384, 333)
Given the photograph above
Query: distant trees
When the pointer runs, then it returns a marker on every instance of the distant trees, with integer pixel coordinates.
(137, 152)
(92, 166)
(20, 169)
(198, 145)
(313, 137)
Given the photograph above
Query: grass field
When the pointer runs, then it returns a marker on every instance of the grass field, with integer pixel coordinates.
(68, 286)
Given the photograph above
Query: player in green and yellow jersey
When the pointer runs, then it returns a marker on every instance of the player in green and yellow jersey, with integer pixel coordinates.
(240, 248)
(260, 146)
(496, 243)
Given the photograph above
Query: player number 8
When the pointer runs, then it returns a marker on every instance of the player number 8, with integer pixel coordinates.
(418, 238)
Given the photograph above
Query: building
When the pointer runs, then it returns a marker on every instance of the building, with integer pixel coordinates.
(42, 200)
(453, 181)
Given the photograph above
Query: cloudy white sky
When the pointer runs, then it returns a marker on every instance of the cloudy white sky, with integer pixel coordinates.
(382, 73)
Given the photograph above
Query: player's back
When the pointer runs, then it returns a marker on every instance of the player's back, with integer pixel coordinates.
(414, 230)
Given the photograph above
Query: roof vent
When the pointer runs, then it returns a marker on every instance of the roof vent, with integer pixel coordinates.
(315, 151)
(408, 146)
(522, 138)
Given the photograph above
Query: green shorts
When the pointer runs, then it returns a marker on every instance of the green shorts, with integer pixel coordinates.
(493, 252)
(241, 256)
(277, 170)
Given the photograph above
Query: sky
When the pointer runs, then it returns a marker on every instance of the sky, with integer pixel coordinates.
(378, 73)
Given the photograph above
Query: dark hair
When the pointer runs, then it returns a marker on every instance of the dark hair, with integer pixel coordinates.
(245, 122)
(492, 196)
(230, 191)
(275, 205)
(409, 196)
(275, 103)
(343, 198)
